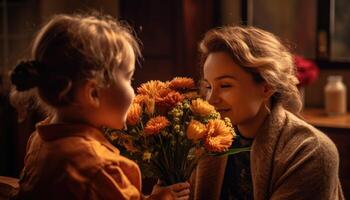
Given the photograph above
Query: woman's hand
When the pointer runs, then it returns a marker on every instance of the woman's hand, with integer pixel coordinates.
(179, 191)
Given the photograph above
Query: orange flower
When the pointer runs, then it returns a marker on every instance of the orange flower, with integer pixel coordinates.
(170, 100)
(191, 95)
(134, 114)
(154, 89)
(219, 136)
(201, 107)
(149, 105)
(156, 124)
(139, 99)
(196, 130)
(181, 83)
(145, 101)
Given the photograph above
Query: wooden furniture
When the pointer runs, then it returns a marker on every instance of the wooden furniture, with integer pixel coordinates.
(170, 32)
(338, 129)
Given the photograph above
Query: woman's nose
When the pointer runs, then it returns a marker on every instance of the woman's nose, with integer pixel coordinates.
(213, 98)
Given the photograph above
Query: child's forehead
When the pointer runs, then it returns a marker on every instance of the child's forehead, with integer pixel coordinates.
(128, 58)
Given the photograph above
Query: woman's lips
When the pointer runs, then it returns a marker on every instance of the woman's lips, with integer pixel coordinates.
(223, 110)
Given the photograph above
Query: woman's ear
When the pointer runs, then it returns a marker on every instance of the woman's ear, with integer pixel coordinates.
(268, 90)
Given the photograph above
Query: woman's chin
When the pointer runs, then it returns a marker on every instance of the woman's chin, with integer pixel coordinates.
(226, 114)
(234, 121)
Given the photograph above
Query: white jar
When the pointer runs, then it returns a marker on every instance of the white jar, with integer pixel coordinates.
(335, 96)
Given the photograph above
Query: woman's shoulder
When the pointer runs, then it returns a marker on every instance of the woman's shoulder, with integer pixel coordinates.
(298, 134)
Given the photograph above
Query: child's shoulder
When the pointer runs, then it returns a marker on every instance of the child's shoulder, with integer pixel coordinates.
(90, 153)
(82, 147)
(98, 157)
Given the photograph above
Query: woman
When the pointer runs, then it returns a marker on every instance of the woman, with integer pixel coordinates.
(249, 77)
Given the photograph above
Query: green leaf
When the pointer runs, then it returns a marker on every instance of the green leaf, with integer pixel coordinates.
(231, 151)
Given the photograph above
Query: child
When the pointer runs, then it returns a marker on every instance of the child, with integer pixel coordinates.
(249, 77)
(81, 71)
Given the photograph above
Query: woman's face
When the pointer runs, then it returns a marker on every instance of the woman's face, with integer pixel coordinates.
(231, 89)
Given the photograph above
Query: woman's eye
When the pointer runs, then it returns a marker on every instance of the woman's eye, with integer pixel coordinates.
(225, 86)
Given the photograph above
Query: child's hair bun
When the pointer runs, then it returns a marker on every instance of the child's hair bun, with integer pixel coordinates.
(26, 75)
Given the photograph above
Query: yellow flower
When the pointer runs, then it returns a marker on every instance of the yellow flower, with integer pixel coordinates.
(181, 83)
(134, 114)
(219, 137)
(196, 130)
(146, 156)
(156, 124)
(154, 89)
(201, 107)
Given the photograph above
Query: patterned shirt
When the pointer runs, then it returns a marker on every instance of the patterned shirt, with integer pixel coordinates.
(237, 183)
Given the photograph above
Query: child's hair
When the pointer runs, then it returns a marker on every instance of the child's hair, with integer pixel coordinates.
(71, 49)
(261, 54)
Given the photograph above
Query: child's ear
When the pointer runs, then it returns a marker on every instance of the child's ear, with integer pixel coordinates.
(92, 93)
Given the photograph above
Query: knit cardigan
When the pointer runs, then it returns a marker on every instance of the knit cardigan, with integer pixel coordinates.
(290, 159)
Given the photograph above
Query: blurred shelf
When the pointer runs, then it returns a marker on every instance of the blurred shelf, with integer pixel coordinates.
(318, 117)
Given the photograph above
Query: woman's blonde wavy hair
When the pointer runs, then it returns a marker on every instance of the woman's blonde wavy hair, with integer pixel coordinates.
(261, 54)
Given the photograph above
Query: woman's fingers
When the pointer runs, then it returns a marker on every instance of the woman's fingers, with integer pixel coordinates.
(163, 194)
(181, 190)
(182, 193)
(179, 186)
(183, 198)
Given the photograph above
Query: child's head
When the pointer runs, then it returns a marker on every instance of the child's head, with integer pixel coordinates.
(81, 61)
(246, 69)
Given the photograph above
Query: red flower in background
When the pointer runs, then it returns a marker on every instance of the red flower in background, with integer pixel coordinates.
(307, 70)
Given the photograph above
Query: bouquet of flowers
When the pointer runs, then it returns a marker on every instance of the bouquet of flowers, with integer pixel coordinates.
(170, 128)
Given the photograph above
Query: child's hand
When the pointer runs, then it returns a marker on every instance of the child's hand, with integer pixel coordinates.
(179, 191)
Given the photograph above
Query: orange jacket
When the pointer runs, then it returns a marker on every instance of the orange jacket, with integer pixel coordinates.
(75, 161)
